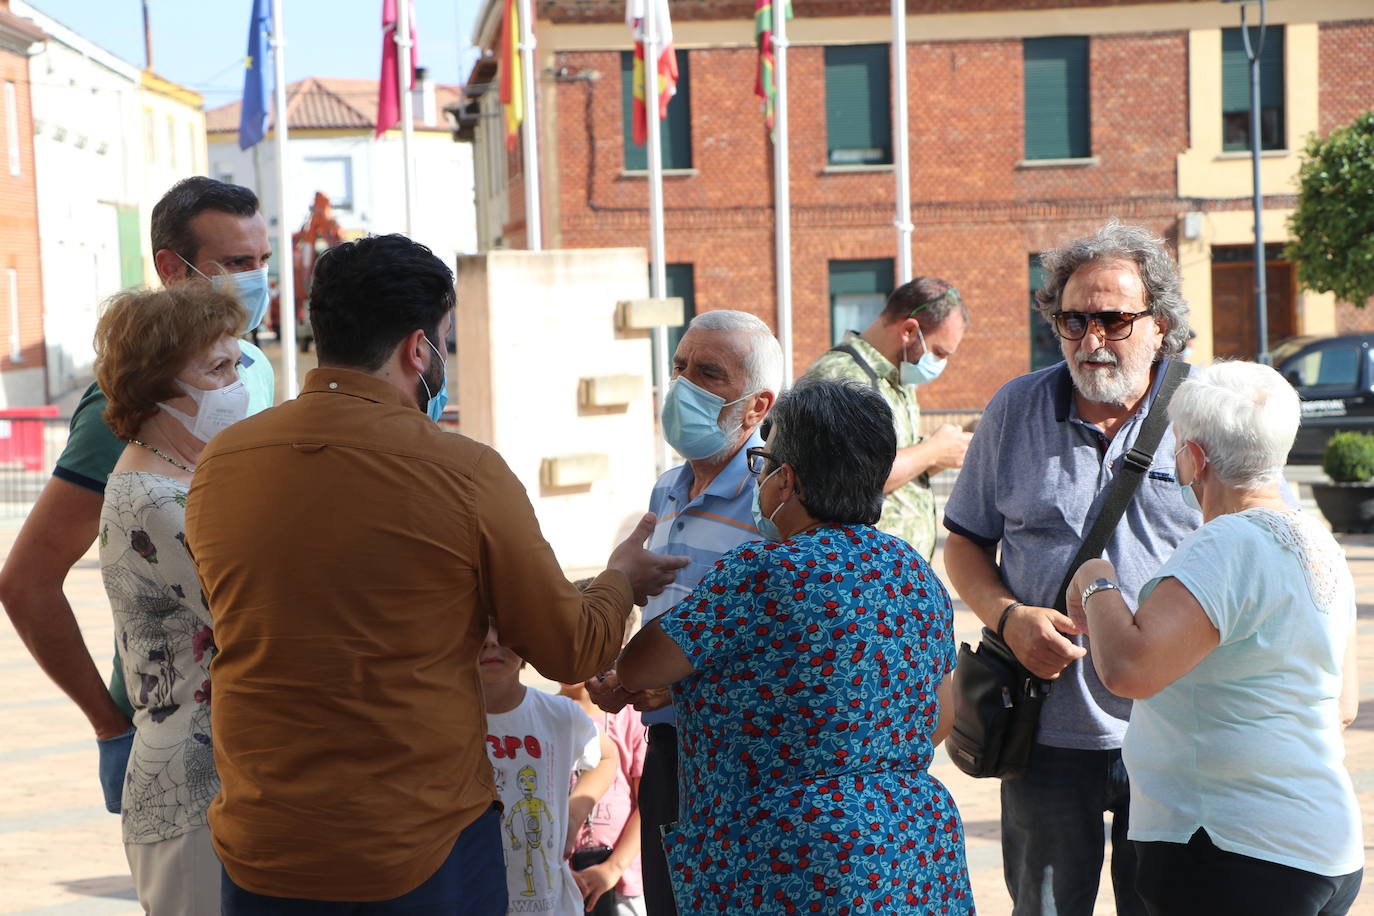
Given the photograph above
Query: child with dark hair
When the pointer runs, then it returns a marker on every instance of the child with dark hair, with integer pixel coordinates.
(537, 743)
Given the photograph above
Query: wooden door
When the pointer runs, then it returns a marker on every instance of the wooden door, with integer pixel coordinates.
(1234, 334)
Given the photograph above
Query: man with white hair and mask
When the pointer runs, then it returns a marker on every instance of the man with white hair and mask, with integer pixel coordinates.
(727, 372)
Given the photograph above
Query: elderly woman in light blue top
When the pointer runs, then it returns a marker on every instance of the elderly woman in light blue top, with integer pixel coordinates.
(1241, 655)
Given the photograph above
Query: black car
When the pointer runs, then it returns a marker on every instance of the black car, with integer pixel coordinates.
(1334, 376)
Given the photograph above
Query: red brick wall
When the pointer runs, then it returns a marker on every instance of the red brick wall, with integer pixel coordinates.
(1345, 72)
(614, 10)
(1346, 77)
(978, 215)
(19, 226)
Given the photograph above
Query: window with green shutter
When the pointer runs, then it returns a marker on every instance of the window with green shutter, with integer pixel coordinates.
(1235, 89)
(1044, 343)
(1056, 83)
(679, 281)
(858, 107)
(858, 292)
(676, 127)
(130, 245)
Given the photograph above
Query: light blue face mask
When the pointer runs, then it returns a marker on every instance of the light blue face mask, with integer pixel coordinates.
(691, 420)
(1189, 494)
(926, 369)
(438, 400)
(767, 527)
(249, 287)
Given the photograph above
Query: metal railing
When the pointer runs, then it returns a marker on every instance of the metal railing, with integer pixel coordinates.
(29, 448)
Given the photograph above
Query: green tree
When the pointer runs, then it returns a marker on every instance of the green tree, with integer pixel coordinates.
(1333, 225)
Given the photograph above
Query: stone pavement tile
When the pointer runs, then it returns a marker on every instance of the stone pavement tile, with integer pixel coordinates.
(60, 852)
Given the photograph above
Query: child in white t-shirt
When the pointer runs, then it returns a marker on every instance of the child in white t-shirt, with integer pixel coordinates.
(535, 743)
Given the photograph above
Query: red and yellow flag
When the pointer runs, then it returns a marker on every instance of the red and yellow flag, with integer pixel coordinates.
(512, 86)
(667, 64)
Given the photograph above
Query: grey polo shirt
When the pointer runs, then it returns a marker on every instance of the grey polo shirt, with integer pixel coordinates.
(1034, 478)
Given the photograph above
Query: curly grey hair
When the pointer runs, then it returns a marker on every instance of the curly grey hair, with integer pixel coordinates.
(1158, 272)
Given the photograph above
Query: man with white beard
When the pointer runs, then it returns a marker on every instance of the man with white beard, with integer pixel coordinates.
(1040, 465)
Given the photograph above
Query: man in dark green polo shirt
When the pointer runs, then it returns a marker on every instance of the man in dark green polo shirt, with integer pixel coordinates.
(201, 229)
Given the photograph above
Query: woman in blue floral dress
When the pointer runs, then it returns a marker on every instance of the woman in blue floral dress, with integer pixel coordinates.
(810, 677)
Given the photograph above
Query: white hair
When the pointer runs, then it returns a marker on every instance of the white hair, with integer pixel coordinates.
(1245, 417)
(762, 359)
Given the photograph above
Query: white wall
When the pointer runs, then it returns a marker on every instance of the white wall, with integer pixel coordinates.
(85, 101)
(444, 217)
(177, 152)
(529, 326)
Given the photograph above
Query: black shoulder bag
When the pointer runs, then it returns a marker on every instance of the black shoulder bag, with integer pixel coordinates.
(997, 701)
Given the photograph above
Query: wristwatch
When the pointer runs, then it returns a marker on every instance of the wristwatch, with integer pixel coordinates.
(1098, 585)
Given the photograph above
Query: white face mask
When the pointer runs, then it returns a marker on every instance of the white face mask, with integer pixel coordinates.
(216, 409)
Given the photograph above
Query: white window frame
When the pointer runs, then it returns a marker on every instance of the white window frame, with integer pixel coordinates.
(16, 341)
(348, 199)
(12, 127)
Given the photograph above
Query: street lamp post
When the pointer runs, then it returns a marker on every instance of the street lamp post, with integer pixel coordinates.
(1252, 54)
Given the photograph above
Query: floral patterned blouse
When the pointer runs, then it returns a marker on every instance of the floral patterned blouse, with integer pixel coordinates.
(805, 733)
(162, 624)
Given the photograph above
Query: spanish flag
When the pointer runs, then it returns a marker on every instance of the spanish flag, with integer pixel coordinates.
(512, 86)
(667, 63)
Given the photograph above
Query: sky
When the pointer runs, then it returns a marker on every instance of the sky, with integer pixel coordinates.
(202, 43)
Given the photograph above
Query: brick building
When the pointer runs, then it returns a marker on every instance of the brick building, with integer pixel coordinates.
(22, 365)
(1030, 121)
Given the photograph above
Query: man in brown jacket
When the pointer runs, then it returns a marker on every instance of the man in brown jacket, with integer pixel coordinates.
(352, 555)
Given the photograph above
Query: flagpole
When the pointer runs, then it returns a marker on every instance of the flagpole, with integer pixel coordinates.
(658, 276)
(534, 230)
(286, 280)
(401, 35)
(782, 190)
(901, 142)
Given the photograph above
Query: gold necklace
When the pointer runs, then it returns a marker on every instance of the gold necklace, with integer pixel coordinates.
(163, 456)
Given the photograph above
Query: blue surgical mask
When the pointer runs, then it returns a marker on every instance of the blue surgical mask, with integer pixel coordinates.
(926, 369)
(767, 527)
(691, 420)
(249, 287)
(1189, 494)
(438, 400)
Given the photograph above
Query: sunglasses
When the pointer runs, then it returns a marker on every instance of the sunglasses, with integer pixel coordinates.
(1110, 325)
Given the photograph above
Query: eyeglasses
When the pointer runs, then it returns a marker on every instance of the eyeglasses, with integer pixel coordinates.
(759, 460)
(1110, 325)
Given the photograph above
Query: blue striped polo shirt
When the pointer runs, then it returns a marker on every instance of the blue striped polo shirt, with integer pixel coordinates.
(719, 519)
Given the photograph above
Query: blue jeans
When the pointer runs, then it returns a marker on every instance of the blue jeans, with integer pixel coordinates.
(114, 763)
(471, 882)
(1053, 838)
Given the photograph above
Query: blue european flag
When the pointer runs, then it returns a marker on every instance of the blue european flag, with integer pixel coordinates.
(253, 116)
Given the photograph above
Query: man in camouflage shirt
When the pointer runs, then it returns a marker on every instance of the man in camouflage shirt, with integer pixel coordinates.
(908, 345)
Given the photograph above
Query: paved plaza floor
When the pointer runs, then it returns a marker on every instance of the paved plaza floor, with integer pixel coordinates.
(61, 855)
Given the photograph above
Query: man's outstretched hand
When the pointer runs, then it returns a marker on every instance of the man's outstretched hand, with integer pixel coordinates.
(649, 573)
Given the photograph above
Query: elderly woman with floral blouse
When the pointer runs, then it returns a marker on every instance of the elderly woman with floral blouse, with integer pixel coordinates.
(167, 361)
(810, 675)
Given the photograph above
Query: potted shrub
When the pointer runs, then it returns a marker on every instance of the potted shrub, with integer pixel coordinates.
(1348, 501)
